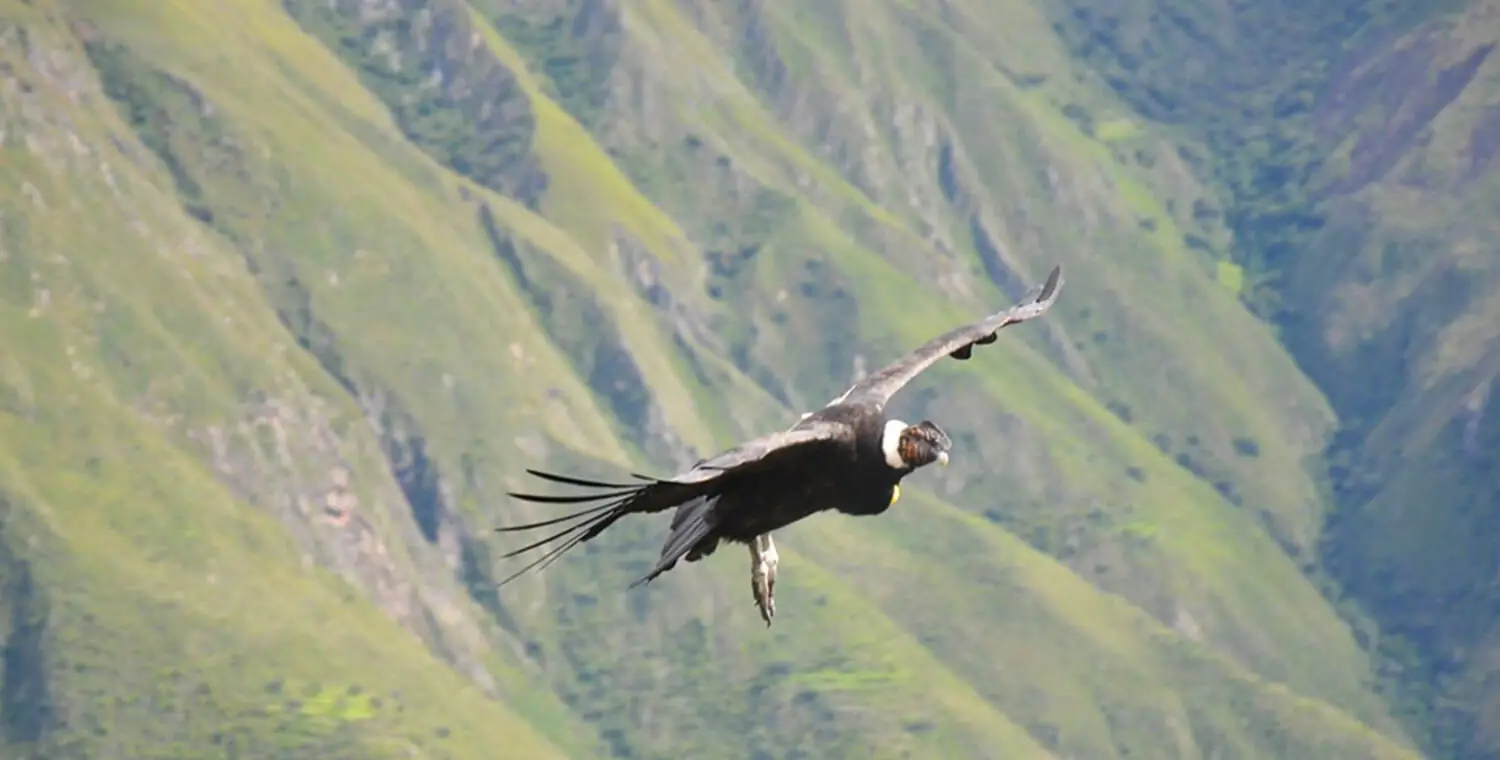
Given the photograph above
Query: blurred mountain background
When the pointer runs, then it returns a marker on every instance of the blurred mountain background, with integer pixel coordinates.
(292, 292)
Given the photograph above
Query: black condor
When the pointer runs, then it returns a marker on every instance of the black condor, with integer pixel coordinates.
(847, 457)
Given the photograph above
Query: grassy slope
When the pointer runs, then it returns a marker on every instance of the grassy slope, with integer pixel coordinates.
(879, 650)
(1400, 286)
(173, 616)
(1356, 146)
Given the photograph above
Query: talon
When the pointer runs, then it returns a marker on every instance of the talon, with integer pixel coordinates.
(760, 589)
(763, 561)
(769, 608)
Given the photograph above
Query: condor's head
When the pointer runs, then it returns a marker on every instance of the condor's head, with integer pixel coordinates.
(907, 447)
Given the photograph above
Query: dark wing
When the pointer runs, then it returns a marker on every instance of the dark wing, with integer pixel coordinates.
(958, 343)
(693, 490)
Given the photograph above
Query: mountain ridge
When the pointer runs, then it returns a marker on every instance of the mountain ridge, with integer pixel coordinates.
(341, 271)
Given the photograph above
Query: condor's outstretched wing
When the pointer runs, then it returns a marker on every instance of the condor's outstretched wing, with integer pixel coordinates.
(703, 482)
(958, 343)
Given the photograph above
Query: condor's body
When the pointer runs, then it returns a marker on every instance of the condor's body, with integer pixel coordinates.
(847, 457)
(856, 474)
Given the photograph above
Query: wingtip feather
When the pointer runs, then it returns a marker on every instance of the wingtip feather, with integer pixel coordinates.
(1054, 281)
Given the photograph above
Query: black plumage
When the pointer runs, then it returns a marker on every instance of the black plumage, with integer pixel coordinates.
(847, 457)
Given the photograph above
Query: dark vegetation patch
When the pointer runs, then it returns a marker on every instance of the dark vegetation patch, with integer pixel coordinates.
(579, 326)
(166, 113)
(573, 44)
(1245, 89)
(451, 98)
(27, 712)
(1269, 89)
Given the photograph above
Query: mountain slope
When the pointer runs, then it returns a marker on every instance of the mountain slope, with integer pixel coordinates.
(1411, 280)
(337, 272)
(1355, 143)
(151, 399)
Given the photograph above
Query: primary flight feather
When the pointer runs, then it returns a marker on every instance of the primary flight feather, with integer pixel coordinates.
(847, 457)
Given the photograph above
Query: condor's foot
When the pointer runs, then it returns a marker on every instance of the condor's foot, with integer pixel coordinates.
(763, 562)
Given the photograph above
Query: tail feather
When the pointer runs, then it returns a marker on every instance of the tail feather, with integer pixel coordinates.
(572, 481)
(692, 523)
(592, 526)
(575, 534)
(553, 521)
(541, 563)
(576, 499)
(621, 494)
(619, 500)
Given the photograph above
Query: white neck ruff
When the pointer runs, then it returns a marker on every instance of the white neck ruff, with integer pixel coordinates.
(890, 444)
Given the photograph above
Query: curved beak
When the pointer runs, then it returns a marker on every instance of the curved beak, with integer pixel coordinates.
(943, 458)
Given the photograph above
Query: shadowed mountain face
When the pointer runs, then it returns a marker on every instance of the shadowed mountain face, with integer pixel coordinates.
(291, 293)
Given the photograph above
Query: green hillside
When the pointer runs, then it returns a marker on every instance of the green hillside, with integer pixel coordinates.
(1413, 301)
(293, 292)
(1355, 144)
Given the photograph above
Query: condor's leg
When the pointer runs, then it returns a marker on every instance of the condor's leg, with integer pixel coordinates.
(763, 562)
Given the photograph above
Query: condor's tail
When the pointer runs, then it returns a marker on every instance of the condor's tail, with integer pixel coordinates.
(611, 502)
(691, 536)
